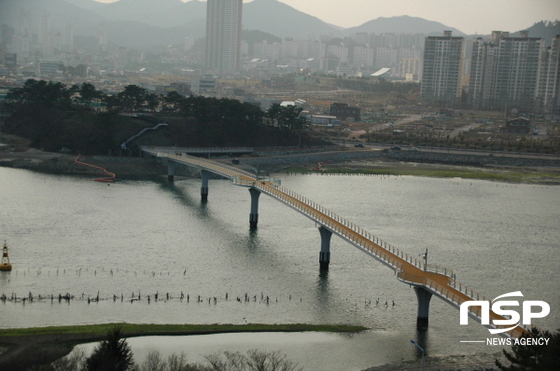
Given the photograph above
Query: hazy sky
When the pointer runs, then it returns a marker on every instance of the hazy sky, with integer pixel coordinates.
(469, 16)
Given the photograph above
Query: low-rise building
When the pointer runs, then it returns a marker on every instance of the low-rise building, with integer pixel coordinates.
(205, 85)
(520, 125)
(324, 120)
(344, 112)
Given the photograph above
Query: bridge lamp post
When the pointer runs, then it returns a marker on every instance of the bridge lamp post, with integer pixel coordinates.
(419, 347)
(425, 257)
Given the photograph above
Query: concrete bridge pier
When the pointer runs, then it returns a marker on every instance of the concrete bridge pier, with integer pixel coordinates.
(170, 171)
(204, 188)
(423, 297)
(254, 216)
(325, 254)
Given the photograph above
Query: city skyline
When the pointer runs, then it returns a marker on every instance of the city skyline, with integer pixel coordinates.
(468, 16)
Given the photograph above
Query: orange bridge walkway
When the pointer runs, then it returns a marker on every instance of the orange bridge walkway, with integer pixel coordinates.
(427, 279)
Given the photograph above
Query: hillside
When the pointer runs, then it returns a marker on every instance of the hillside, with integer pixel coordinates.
(402, 25)
(148, 23)
(546, 30)
(282, 20)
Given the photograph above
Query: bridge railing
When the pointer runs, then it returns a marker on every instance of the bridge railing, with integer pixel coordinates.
(457, 294)
(200, 149)
(214, 167)
(451, 291)
(367, 240)
(435, 268)
(243, 182)
(215, 149)
(274, 182)
(449, 294)
(349, 230)
(354, 234)
(454, 292)
(346, 223)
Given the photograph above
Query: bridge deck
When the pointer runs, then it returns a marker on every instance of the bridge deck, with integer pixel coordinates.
(438, 280)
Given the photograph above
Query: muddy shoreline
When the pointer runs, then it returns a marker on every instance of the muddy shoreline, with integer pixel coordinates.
(16, 153)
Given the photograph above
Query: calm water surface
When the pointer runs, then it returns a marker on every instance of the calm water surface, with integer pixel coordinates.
(73, 235)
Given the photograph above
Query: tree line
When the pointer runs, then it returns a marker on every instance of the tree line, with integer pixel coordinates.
(54, 116)
(114, 354)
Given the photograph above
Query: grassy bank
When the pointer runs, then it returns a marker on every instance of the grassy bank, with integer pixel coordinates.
(28, 347)
(503, 175)
(155, 329)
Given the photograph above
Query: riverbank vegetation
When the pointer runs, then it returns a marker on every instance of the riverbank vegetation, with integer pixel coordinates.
(464, 133)
(514, 175)
(131, 329)
(82, 119)
(114, 354)
(533, 356)
(28, 347)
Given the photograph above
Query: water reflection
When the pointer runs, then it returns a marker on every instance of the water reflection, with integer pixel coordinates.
(4, 278)
(157, 237)
(322, 293)
(422, 340)
(252, 241)
(180, 193)
(310, 350)
(323, 279)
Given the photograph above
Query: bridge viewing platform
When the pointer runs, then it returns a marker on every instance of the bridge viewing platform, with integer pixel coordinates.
(427, 279)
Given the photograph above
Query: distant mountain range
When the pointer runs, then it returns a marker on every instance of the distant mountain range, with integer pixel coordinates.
(270, 16)
(145, 23)
(403, 24)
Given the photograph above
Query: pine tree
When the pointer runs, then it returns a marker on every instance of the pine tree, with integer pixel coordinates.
(112, 354)
(534, 357)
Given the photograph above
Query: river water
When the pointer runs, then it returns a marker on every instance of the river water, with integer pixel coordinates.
(116, 242)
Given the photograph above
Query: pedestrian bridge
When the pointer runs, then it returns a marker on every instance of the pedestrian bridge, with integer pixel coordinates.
(427, 279)
(208, 151)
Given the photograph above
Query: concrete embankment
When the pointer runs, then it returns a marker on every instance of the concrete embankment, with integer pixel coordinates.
(278, 160)
(54, 163)
(473, 159)
(134, 167)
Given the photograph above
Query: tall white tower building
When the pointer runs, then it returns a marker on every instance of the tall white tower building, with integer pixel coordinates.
(223, 35)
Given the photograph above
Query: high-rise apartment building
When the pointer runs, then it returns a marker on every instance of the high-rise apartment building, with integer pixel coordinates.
(504, 71)
(410, 68)
(444, 58)
(547, 98)
(223, 35)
